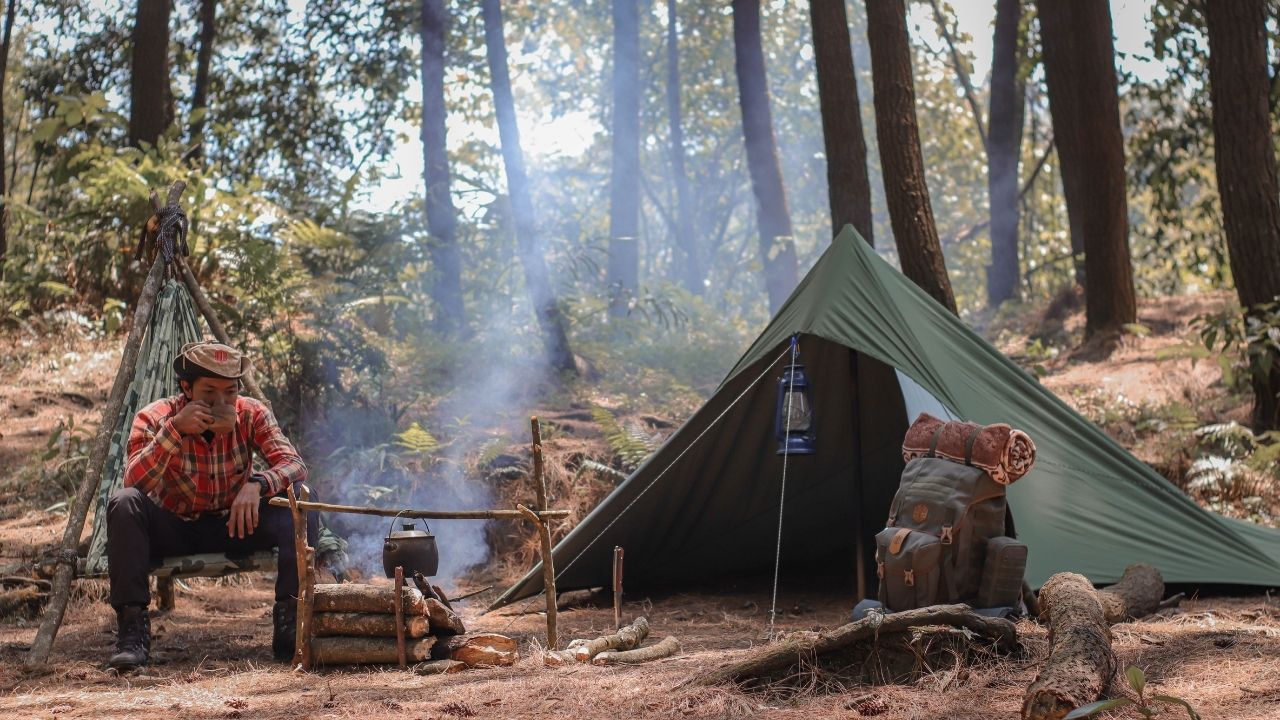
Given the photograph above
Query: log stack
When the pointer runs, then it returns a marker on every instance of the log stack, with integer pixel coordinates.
(355, 623)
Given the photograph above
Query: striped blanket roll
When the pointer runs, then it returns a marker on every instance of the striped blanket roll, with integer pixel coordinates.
(1004, 453)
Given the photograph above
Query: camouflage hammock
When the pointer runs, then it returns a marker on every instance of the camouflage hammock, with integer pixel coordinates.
(174, 323)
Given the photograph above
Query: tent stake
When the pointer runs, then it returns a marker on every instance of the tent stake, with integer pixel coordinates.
(617, 587)
(66, 560)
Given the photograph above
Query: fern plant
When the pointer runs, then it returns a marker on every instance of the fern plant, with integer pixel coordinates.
(630, 443)
(416, 440)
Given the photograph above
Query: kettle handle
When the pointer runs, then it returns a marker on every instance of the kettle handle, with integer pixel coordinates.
(397, 517)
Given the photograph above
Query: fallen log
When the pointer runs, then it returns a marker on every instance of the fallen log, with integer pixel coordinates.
(24, 601)
(627, 638)
(363, 598)
(793, 649)
(443, 620)
(666, 648)
(368, 650)
(477, 650)
(439, 667)
(1138, 594)
(1081, 662)
(331, 624)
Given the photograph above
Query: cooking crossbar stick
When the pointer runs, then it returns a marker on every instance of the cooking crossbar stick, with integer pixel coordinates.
(423, 514)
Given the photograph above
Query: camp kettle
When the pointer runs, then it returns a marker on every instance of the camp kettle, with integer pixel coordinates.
(414, 550)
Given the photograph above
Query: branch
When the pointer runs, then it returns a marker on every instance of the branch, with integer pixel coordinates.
(969, 95)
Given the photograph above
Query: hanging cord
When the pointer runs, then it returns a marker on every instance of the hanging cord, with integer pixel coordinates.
(786, 453)
(652, 482)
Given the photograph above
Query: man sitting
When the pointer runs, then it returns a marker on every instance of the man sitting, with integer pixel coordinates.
(190, 487)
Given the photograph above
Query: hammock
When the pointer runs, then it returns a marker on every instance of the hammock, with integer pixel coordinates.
(174, 323)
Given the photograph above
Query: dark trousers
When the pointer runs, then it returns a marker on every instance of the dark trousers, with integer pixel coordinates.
(140, 534)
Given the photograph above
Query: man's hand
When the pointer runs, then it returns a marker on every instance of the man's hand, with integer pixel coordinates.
(194, 418)
(244, 511)
(224, 419)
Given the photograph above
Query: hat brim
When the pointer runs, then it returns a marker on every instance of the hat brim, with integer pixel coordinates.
(184, 366)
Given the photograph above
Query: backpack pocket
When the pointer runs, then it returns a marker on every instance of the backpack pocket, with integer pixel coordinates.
(908, 563)
(1002, 573)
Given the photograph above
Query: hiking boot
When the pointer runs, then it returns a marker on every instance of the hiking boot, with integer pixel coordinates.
(133, 638)
(284, 630)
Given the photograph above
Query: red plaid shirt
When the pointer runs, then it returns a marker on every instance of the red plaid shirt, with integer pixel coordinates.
(188, 475)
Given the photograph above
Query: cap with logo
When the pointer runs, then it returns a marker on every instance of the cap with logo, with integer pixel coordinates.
(211, 359)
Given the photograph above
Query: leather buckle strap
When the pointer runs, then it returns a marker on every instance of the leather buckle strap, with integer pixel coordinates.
(909, 577)
(946, 538)
(968, 445)
(933, 444)
(895, 545)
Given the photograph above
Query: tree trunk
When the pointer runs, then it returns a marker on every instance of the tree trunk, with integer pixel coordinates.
(686, 238)
(204, 57)
(368, 650)
(442, 222)
(1081, 661)
(479, 649)
(1080, 72)
(623, 276)
(151, 99)
(848, 184)
(4, 189)
(325, 624)
(906, 192)
(361, 598)
(777, 246)
(552, 322)
(1246, 167)
(1004, 146)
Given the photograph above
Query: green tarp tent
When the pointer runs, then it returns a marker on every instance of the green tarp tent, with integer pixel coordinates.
(878, 351)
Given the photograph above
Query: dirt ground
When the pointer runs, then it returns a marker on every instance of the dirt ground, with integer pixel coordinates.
(213, 658)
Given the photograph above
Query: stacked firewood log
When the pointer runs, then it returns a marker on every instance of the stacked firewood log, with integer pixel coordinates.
(355, 623)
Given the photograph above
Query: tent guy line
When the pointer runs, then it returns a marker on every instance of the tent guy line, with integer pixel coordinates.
(782, 496)
(654, 481)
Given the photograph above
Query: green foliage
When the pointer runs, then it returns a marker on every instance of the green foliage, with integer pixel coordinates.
(630, 442)
(1144, 706)
(416, 440)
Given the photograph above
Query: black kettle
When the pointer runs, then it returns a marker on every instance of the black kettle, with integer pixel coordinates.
(414, 550)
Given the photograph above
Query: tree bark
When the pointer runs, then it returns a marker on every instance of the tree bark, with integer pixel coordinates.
(1004, 147)
(368, 650)
(628, 638)
(1246, 168)
(442, 221)
(360, 598)
(777, 244)
(794, 649)
(443, 620)
(1081, 662)
(476, 650)
(906, 191)
(686, 237)
(1080, 72)
(10, 10)
(623, 274)
(204, 58)
(848, 184)
(551, 320)
(1138, 594)
(151, 108)
(326, 624)
(664, 648)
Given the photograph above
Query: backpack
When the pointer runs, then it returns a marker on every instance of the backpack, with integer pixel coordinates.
(945, 539)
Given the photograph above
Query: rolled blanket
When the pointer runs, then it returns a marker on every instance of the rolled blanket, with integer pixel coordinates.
(1004, 453)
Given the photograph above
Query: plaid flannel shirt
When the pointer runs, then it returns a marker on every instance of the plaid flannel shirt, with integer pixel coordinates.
(189, 475)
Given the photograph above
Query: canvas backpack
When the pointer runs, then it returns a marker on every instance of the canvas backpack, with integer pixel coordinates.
(945, 539)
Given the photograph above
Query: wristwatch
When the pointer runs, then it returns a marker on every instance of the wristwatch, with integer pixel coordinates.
(262, 481)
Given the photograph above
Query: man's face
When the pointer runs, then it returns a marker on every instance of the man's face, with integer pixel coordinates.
(214, 391)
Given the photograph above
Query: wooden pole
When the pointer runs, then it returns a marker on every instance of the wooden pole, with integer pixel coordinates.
(215, 325)
(548, 573)
(400, 616)
(539, 466)
(306, 583)
(423, 514)
(66, 560)
(165, 593)
(617, 587)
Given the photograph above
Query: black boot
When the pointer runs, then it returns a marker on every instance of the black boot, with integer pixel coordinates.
(133, 638)
(284, 630)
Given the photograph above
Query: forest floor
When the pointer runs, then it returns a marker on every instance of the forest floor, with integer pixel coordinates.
(212, 651)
